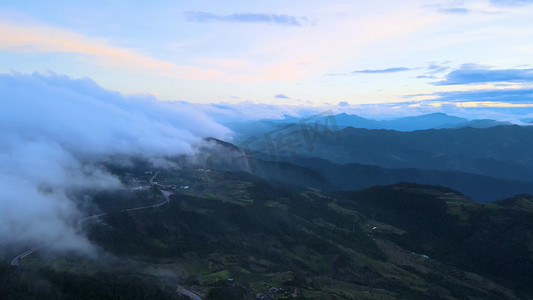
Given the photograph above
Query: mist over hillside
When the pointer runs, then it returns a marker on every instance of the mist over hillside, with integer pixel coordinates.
(56, 134)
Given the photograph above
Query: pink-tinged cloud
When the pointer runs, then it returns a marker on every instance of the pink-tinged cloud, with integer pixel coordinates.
(46, 39)
(305, 53)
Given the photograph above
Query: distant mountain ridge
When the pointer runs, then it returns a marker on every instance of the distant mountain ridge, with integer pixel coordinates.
(412, 123)
(343, 120)
(500, 151)
(323, 174)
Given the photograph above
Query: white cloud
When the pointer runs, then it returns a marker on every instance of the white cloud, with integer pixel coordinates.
(56, 131)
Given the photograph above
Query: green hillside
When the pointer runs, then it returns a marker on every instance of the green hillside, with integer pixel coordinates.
(231, 235)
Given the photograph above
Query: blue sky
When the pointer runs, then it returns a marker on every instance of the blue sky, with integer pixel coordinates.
(306, 53)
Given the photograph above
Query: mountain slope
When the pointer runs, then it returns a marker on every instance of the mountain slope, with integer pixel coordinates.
(355, 176)
(323, 174)
(500, 152)
(491, 239)
(231, 235)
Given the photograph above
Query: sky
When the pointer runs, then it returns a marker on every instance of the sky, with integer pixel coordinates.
(410, 56)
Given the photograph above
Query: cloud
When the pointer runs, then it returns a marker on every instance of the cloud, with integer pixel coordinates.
(455, 10)
(380, 71)
(245, 111)
(471, 107)
(475, 74)
(433, 69)
(426, 77)
(436, 68)
(57, 131)
(511, 2)
(500, 111)
(279, 19)
(306, 52)
(501, 103)
(281, 96)
(513, 96)
(46, 39)
(448, 9)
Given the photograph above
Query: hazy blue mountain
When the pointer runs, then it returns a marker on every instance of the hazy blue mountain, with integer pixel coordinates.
(343, 120)
(501, 151)
(478, 123)
(355, 176)
(326, 175)
(422, 122)
(436, 120)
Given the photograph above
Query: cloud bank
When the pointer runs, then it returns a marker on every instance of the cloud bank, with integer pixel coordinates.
(56, 131)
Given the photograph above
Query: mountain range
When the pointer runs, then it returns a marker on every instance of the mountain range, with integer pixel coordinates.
(343, 120)
(500, 151)
(326, 175)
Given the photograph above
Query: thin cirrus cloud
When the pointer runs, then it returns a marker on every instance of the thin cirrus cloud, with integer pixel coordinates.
(432, 70)
(278, 19)
(46, 39)
(475, 74)
(511, 2)
(448, 9)
(381, 71)
(493, 4)
(436, 68)
(455, 10)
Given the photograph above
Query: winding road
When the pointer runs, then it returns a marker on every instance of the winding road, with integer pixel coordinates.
(17, 259)
(188, 293)
(166, 194)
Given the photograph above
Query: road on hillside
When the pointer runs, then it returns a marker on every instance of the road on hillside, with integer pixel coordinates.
(166, 194)
(188, 293)
(16, 260)
(153, 178)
